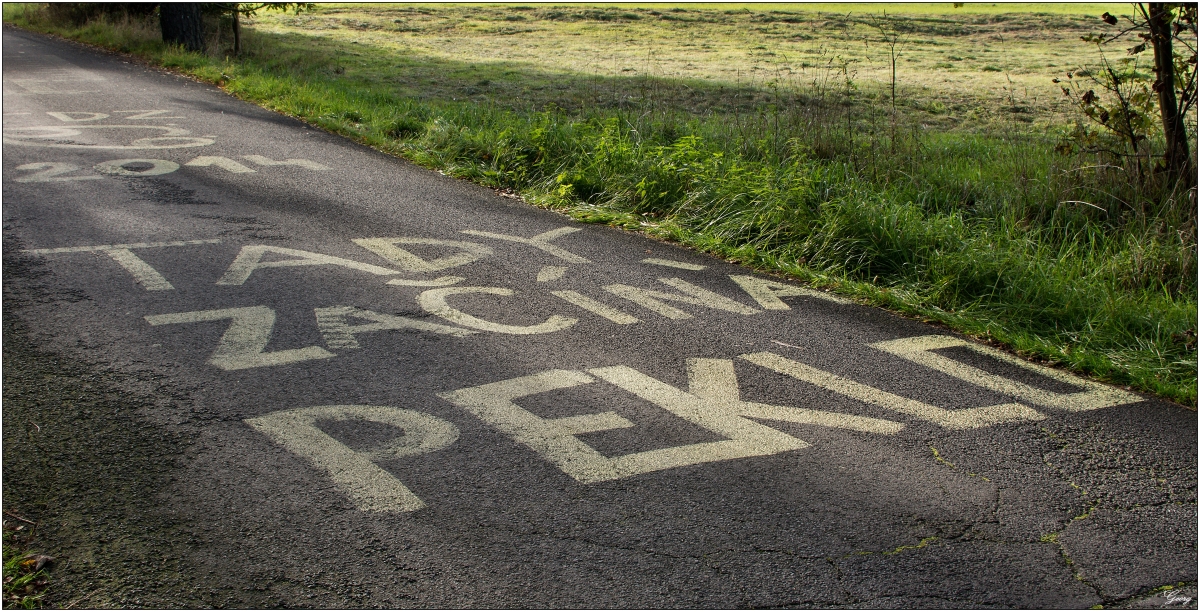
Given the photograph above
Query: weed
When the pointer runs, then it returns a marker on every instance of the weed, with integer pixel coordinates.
(25, 575)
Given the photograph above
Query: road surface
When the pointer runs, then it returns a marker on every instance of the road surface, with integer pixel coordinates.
(249, 363)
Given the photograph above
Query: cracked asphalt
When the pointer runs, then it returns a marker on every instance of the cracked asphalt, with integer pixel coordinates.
(251, 364)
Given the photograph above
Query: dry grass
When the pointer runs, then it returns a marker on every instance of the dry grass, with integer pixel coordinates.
(968, 67)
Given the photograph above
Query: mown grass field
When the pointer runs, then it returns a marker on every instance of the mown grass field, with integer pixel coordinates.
(961, 69)
(769, 134)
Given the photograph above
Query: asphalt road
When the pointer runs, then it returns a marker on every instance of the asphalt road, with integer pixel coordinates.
(249, 363)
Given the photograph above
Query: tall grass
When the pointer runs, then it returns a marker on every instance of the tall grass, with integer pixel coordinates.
(990, 231)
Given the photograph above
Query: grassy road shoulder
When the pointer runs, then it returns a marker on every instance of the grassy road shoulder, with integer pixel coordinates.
(978, 225)
(26, 576)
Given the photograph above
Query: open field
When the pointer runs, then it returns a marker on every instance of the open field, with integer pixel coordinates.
(768, 134)
(957, 70)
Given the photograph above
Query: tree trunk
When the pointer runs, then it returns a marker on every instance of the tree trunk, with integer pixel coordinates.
(181, 25)
(237, 32)
(1175, 159)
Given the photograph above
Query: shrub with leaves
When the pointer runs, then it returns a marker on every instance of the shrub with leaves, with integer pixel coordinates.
(1137, 102)
(1125, 108)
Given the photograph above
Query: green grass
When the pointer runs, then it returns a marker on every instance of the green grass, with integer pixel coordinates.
(766, 135)
(747, 44)
(25, 583)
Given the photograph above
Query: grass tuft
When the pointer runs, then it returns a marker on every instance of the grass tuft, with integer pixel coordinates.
(25, 576)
